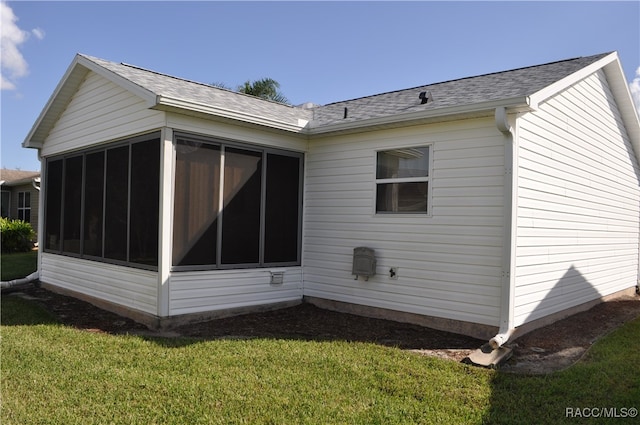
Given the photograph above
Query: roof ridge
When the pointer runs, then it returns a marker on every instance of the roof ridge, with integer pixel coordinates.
(467, 78)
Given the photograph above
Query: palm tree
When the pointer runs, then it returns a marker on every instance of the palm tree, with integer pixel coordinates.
(265, 88)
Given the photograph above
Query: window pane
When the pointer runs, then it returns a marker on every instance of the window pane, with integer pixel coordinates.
(401, 163)
(93, 203)
(53, 205)
(281, 214)
(4, 204)
(20, 199)
(72, 204)
(27, 199)
(195, 220)
(241, 216)
(145, 196)
(116, 211)
(402, 197)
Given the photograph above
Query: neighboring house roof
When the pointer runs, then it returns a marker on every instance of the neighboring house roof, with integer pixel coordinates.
(518, 89)
(17, 177)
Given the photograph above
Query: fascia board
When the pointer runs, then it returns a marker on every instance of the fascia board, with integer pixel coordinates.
(564, 83)
(65, 89)
(69, 82)
(520, 104)
(619, 87)
(168, 104)
(20, 182)
(622, 94)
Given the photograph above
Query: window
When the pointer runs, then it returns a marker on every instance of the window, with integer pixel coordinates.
(196, 198)
(72, 204)
(4, 203)
(402, 181)
(104, 204)
(116, 211)
(94, 204)
(144, 199)
(282, 209)
(235, 206)
(24, 206)
(53, 205)
(241, 212)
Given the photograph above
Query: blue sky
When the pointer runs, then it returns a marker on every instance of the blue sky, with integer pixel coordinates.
(320, 52)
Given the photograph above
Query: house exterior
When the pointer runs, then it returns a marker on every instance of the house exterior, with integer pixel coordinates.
(20, 195)
(492, 203)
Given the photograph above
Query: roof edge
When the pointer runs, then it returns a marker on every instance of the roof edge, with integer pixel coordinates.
(67, 86)
(612, 68)
(564, 83)
(519, 104)
(168, 103)
(66, 79)
(148, 96)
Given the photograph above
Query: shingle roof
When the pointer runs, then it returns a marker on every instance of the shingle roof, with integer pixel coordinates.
(466, 91)
(449, 98)
(198, 93)
(11, 176)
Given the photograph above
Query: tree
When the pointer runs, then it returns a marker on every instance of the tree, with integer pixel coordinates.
(265, 88)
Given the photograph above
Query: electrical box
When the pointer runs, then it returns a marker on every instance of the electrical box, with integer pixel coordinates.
(364, 262)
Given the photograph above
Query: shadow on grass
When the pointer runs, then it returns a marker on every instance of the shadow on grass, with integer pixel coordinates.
(16, 311)
(603, 387)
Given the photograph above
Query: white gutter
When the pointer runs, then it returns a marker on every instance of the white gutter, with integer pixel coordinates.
(519, 103)
(509, 212)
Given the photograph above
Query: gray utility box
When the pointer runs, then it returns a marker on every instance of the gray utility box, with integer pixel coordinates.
(364, 262)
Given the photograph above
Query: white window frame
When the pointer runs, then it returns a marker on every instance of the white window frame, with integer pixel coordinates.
(427, 179)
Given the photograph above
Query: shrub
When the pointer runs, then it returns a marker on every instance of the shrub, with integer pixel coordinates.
(15, 235)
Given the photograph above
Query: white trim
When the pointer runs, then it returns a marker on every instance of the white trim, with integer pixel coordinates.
(515, 103)
(164, 103)
(560, 85)
(423, 179)
(165, 222)
(148, 96)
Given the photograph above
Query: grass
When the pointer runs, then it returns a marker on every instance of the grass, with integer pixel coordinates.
(18, 265)
(52, 374)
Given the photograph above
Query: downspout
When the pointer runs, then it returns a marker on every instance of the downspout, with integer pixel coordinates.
(22, 281)
(509, 211)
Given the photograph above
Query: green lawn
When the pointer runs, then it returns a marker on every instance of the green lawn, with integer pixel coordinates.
(18, 265)
(52, 374)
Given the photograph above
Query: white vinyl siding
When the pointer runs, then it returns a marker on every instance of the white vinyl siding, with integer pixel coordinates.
(450, 263)
(203, 291)
(126, 286)
(100, 111)
(578, 202)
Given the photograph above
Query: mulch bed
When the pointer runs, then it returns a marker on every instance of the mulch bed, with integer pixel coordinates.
(544, 350)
